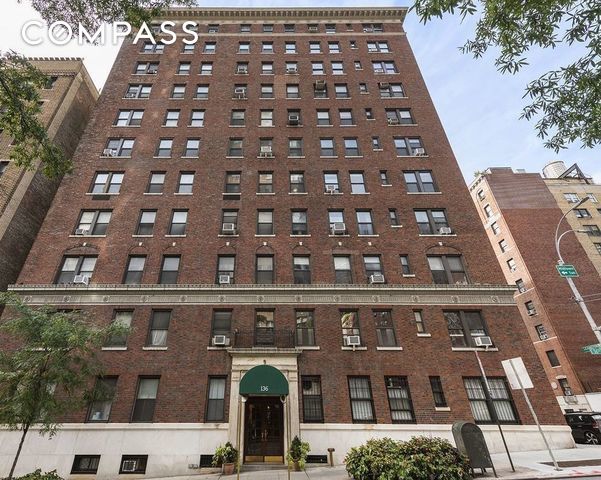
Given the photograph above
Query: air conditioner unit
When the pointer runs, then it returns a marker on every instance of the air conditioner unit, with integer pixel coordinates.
(352, 341)
(320, 85)
(313, 29)
(378, 70)
(242, 69)
(130, 95)
(445, 230)
(129, 465)
(483, 341)
(384, 85)
(240, 92)
(292, 70)
(109, 152)
(331, 189)
(293, 119)
(572, 399)
(376, 278)
(220, 340)
(228, 228)
(266, 151)
(81, 279)
(419, 152)
(368, 29)
(152, 72)
(393, 121)
(339, 228)
(81, 231)
(225, 279)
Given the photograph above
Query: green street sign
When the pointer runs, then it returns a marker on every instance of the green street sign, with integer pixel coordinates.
(567, 271)
(593, 349)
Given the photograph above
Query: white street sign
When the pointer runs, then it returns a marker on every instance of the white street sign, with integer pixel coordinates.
(518, 370)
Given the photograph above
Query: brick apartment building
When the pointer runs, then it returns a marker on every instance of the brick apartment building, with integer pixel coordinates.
(277, 213)
(26, 195)
(520, 212)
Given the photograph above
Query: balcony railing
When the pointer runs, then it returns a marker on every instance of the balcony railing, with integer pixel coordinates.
(263, 337)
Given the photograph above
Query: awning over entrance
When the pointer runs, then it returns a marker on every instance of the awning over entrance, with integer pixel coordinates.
(263, 380)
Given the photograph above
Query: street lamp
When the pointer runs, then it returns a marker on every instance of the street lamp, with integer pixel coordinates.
(577, 296)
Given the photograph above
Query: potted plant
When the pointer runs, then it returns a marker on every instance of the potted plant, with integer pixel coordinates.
(297, 454)
(226, 457)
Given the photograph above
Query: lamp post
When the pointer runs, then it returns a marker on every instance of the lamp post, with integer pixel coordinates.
(577, 296)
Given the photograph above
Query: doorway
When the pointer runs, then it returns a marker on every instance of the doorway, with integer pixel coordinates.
(264, 430)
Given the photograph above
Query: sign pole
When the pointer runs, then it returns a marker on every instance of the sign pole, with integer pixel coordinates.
(493, 412)
(533, 414)
(240, 454)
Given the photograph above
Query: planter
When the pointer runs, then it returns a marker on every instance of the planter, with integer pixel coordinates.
(296, 466)
(228, 468)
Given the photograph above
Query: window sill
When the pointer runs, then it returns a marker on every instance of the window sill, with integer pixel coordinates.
(369, 236)
(265, 193)
(270, 235)
(298, 193)
(101, 194)
(328, 156)
(353, 156)
(87, 236)
(116, 156)
(442, 409)
(217, 348)
(175, 236)
(408, 275)
(412, 156)
(300, 235)
(221, 235)
(437, 235)
(296, 156)
(113, 349)
(152, 193)
(386, 185)
(162, 157)
(237, 126)
(354, 348)
(154, 348)
(324, 126)
(142, 236)
(349, 125)
(474, 349)
(378, 150)
(360, 193)
(182, 194)
(126, 126)
(403, 125)
(424, 335)
(190, 158)
(396, 226)
(333, 193)
(385, 349)
(334, 236)
(234, 156)
(309, 347)
(424, 193)
(230, 194)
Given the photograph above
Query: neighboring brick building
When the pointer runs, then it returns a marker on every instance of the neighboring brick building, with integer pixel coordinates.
(280, 195)
(26, 195)
(520, 212)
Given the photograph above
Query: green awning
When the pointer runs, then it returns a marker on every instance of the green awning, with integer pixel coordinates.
(263, 380)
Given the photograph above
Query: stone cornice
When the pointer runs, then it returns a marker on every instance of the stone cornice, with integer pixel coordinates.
(325, 294)
(286, 14)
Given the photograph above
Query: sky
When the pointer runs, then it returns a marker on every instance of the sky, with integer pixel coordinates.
(478, 106)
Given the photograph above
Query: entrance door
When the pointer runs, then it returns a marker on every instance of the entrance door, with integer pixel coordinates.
(264, 430)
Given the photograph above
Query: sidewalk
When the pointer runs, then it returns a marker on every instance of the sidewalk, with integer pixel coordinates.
(528, 465)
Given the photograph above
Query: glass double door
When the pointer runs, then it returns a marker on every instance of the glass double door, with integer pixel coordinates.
(264, 430)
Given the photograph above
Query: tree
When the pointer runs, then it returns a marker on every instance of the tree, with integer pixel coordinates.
(566, 101)
(49, 371)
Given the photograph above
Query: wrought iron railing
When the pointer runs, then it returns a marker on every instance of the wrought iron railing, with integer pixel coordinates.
(263, 337)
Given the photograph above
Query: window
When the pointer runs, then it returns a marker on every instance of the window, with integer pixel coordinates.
(571, 197)
(171, 118)
(582, 213)
(202, 92)
(592, 230)
(169, 269)
(488, 211)
(187, 49)
(330, 180)
(481, 195)
(50, 82)
(266, 147)
(242, 68)
(419, 181)
(447, 269)
(133, 463)
(305, 330)
(312, 400)
(138, 91)
(85, 464)
(598, 247)
(301, 269)
(216, 400)
(530, 308)
(289, 28)
(464, 326)
(124, 318)
(391, 90)
(336, 218)
(235, 147)
(129, 118)
(226, 265)
(145, 401)
(409, 147)
(438, 393)
(341, 90)
(375, 143)
(495, 228)
(384, 328)
(292, 91)
(326, 146)
(147, 68)
(93, 222)
(512, 265)
(221, 324)
(179, 91)
(206, 68)
(483, 403)
(330, 28)
(267, 28)
(290, 47)
(264, 327)
(292, 68)
(317, 68)
(372, 27)
(381, 47)
(364, 222)
(119, 147)
(213, 28)
(541, 331)
(186, 180)
(431, 222)
(357, 182)
(373, 265)
(387, 67)
(342, 269)
(146, 222)
(73, 266)
(244, 47)
(179, 219)
(264, 269)
(399, 400)
(405, 265)
(267, 47)
(384, 178)
(266, 68)
(232, 182)
(521, 285)
(135, 269)
(164, 147)
(183, 68)
(323, 118)
(314, 47)
(265, 222)
(399, 116)
(369, 114)
(266, 90)
(419, 321)
(362, 405)
(192, 148)
(295, 147)
(503, 245)
(265, 182)
(237, 118)
(266, 118)
(358, 65)
(107, 182)
(297, 182)
(393, 216)
(337, 68)
(592, 198)
(159, 327)
(565, 387)
(229, 222)
(197, 118)
(104, 393)
(346, 117)
(299, 222)
(351, 147)
(334, 47)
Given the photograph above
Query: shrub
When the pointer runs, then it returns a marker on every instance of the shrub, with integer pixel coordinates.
(421, 458)
(225, 454)
(298, 452)
(38, 475)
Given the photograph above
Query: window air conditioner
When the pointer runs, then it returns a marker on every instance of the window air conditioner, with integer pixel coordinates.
(445, 230)
(419, 152)
(378, 70)
(129, 465)
(130, 95)
(376, 278)
(266, 151)
(320, 85)
(242, 69)
(393, 121)
(331, 189)
(225, 279)
(293, 119)
(339, 228)
(313, 29)
(384, 85)
(229, 228)
(220, 340)
(81, 279)
(240, 92)
(352, 341)
(483, 341)
(292, 70)
(152, 72)
(109, 152)
(81, 231)
(368, 29)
